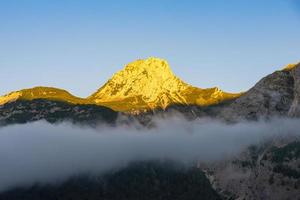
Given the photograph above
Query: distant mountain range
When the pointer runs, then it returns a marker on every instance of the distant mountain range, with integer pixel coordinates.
(149, 86)
(141, 86)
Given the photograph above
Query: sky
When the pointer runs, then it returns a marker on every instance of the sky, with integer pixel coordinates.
(78, 45)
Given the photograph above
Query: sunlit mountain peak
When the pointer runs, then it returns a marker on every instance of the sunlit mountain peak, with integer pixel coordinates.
(149, 84)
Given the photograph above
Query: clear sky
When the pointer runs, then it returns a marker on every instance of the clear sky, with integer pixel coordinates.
(77, 45)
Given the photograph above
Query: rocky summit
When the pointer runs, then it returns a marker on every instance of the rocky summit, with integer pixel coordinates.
(150, 84)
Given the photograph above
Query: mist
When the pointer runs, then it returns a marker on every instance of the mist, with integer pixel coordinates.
(43, 153)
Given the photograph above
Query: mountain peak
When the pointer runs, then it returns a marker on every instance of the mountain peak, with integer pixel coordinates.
(150, 83)
(151, 66)
(153, 62)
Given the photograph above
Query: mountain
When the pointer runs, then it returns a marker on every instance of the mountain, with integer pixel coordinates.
(269, 170)
(265, 171)
(48, 93)
(143, 86)
(147, 180)
(53, 105)
(148, 87)
(150, 84)
(277, 94)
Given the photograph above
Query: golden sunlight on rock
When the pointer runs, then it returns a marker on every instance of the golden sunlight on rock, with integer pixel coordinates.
(289, 67)
(149, 84)
(142, 85)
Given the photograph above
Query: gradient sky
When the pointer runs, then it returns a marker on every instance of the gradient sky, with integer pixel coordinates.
(78, 45)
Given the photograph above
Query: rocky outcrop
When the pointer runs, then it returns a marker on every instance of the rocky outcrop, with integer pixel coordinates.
(277, 94)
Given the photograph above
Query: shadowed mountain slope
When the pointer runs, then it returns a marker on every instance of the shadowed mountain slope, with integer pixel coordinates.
(277, 94)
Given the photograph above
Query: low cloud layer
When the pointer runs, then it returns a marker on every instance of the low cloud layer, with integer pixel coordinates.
(40, 152)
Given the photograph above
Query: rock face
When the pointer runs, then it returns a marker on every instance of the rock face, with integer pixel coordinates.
(150, 84)
(277, 94)
(268, 171)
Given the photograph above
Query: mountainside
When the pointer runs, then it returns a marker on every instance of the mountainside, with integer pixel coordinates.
(294, 110)
(23, 111)
(267, 171)
(139, 181)
(277, 94)
(150, 84)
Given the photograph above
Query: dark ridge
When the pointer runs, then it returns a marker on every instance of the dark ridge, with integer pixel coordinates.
(22, 111)
(149, 180)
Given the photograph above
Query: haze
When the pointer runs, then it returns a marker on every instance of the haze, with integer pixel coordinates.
(44, 153)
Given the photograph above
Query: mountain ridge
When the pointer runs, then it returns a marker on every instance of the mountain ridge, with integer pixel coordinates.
(142, 85)
(41, 92)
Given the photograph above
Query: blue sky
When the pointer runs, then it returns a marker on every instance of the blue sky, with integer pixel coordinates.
(78, 45)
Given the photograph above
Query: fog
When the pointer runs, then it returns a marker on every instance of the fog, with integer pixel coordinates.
(45, 153)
